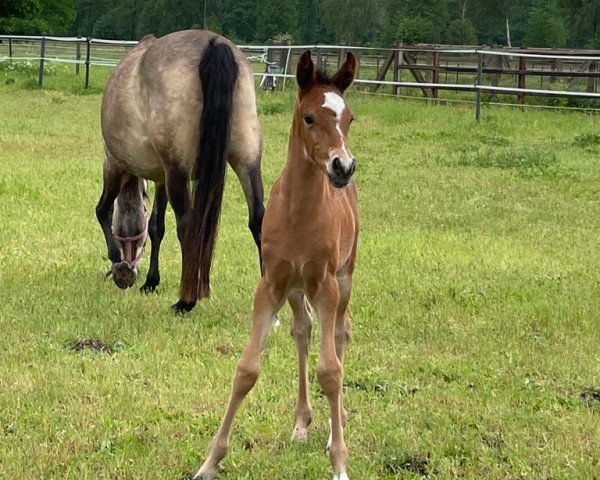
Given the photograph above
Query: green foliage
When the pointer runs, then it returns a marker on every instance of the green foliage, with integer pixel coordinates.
(351, 21)
(546, 28)
(418, 30)
(358, 22)
(424, 22)
(461, 32)
(33, 17)
(275, 17)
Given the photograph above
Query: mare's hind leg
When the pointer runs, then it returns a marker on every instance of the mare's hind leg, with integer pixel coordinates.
(113, 177)
(156, 231)
(301, 331)
(251, 181)
(267, 302)
(176, 183)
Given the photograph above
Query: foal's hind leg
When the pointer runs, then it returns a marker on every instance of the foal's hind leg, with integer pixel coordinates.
(342, 330)
(156, 231)
(267, 302)
(301, 331)
(112, 178)
(251, 181)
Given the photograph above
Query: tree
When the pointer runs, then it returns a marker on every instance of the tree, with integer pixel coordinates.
(31, 17)
(160, 17)
(583, 21)
(417, 29)
(237, 19)
(276, 17)
(490, 19)
(353, 22)
(462, 32)
(416, 21)
(546, 27)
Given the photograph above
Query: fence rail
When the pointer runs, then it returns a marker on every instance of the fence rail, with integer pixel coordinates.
(412, 70)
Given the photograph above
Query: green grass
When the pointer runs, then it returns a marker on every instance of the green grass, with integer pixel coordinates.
(475, 307)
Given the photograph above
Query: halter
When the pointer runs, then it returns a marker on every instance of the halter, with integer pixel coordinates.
(129, 244)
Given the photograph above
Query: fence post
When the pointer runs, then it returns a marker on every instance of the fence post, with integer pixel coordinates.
(521, 79)
(436, 73)
(10, 51)
(42, 55)
(319, 58)
(77, 55)
(478, 86)
(591, 83)
(88, 47)
(397, 73)
(287, 65)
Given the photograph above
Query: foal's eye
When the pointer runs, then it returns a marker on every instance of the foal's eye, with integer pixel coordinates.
(308, 119)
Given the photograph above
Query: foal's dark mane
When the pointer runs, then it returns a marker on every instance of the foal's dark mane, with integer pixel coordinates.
(322, 77)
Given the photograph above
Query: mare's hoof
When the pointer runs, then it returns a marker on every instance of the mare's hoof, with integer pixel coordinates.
(183, 307)
(123, 275)
(148, 287)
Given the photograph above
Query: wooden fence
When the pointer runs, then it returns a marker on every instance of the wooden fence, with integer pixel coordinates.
(434, 72)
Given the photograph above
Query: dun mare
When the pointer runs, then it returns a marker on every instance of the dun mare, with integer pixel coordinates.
(175, 110)
(309, 239)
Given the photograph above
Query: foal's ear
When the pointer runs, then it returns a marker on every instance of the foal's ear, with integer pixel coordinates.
(305, 73)
(345, 75)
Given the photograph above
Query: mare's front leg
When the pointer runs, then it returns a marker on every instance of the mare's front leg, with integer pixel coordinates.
(177, 187)
(113, 177)
(156, 232)
(267, 302)
(325, 297)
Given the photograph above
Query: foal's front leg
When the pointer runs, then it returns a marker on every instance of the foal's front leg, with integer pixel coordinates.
(330, 370)
(267, 303)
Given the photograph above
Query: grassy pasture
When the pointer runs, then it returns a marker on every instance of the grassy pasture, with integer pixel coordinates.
(476, 327)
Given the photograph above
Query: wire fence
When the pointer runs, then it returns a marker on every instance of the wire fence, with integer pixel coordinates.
(479, 75)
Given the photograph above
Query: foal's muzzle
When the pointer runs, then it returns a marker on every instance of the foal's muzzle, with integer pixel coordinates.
(341, 172)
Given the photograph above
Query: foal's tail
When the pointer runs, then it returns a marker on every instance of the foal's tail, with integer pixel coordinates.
(218, 73)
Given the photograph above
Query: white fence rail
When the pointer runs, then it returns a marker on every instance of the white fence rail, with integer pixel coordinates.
(466, 66)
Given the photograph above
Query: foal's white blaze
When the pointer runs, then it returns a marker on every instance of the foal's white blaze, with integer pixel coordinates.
(337, 105)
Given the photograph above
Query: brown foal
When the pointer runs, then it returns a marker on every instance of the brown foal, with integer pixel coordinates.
(309, 238)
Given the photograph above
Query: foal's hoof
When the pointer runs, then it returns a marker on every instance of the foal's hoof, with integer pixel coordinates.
(205, 475)
(300, 435)
(123, 275)
(182, 307)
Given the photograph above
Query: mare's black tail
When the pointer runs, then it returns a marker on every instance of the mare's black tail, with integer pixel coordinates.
(218, 74)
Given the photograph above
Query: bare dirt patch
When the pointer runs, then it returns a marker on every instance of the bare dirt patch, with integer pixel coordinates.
(94, 344)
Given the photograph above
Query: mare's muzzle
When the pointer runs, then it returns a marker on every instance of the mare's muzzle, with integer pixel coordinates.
(124, 274)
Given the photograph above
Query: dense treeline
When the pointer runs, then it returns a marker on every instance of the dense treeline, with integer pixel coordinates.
(542, 23)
